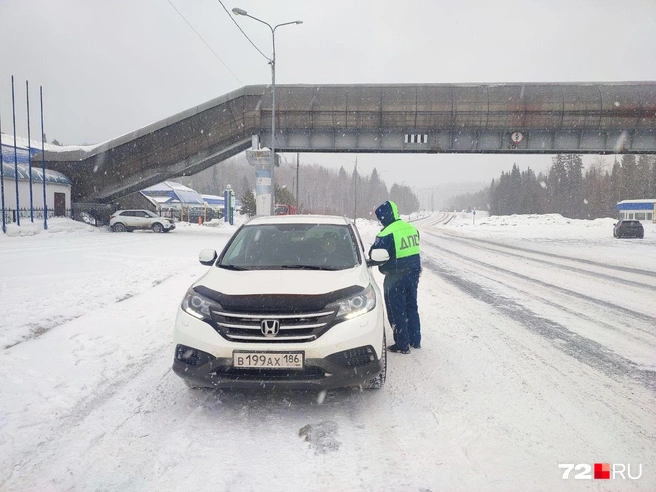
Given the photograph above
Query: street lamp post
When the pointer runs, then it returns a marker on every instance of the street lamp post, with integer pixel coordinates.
(272, 62)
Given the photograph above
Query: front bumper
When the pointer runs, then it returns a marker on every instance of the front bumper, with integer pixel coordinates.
(317, 374)
(321, 370)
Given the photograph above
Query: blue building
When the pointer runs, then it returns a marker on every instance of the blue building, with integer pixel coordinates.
(643, 210)
(58, 186)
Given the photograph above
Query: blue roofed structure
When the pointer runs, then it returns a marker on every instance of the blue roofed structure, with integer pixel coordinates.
(21, 157)
(643, 209)
(171, 193)
(214, 200)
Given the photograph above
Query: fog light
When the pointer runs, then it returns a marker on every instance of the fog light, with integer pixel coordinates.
(356, 357)
(191, 356)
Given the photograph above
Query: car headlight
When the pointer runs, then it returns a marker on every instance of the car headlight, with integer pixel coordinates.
(198, 305)
(355, 306)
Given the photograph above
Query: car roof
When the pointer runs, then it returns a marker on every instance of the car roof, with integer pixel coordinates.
(299, 219)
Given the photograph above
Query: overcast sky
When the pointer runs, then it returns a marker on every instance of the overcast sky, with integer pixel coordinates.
(110, 67)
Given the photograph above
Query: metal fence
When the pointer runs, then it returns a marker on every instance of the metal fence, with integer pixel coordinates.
(98, 214)
(95, 216)
(11, 215)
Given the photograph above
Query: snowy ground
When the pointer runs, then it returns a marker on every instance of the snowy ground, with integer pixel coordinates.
(538, 349)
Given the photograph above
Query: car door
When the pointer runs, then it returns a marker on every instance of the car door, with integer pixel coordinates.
(127, 218)
(142, 219)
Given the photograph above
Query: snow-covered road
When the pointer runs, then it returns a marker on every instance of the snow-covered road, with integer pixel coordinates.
(538, 349)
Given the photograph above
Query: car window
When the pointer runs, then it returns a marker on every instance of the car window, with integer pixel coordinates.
(323, 246)
(236, 248)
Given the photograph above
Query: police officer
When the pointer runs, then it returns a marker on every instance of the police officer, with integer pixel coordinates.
(401, 240)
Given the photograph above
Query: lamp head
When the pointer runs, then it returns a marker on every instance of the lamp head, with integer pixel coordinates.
(238, 11)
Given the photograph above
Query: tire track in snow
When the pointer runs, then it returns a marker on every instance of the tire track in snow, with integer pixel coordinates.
(580, 348)
(620, 268)
(551, 263)
(628, 312)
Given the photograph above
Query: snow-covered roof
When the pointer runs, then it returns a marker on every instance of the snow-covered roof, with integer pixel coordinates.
(642, 204)
(8, 171)
(35, 145)
(644, 200)
(20, 155)
(159, 200)
(174, 191)
(213, 199)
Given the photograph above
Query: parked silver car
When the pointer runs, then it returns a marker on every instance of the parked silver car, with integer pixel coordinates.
(129, 220)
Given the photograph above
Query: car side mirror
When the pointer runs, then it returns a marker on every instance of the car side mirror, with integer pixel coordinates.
(207, 257)
(378, 257)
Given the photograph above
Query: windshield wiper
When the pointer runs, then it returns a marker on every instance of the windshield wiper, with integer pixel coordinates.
(308, 267)
(231, 267)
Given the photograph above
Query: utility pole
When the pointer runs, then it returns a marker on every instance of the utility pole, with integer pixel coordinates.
(298, 206)
(355, 190)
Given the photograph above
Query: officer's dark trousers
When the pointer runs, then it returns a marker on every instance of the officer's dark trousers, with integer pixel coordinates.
(401, 300)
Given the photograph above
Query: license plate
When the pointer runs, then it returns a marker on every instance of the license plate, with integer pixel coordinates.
(268, 360)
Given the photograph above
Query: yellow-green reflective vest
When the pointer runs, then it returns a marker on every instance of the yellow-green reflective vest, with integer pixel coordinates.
(406, 238)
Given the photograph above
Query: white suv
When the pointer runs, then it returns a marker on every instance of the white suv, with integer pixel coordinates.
(129, 220)
(289, 303)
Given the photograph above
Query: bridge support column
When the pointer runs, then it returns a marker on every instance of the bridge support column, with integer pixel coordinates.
(261, 160)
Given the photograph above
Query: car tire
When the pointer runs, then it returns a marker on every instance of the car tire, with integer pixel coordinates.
(157, 227)
(379, 381)
(119, 227)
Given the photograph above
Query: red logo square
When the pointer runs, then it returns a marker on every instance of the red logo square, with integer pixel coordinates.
(602, 471)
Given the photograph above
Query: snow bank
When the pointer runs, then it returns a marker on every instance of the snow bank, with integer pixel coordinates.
(536, 226)
(56, 225)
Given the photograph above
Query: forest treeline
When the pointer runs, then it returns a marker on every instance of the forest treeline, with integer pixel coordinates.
(321, 191)
(567, 188)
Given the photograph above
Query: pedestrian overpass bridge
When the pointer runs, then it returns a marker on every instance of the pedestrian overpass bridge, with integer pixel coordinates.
(511, 118)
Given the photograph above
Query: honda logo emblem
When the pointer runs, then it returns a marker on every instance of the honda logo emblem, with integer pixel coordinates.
(270, 327)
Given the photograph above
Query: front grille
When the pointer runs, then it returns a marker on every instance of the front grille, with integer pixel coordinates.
(310, 372)
(297, 327)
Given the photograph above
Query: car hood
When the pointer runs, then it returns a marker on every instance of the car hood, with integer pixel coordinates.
(312, 282)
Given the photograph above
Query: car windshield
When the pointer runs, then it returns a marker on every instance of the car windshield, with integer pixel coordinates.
(151, 214)
(292, 246)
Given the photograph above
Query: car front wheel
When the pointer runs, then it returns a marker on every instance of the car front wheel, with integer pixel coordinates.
(157, 227)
